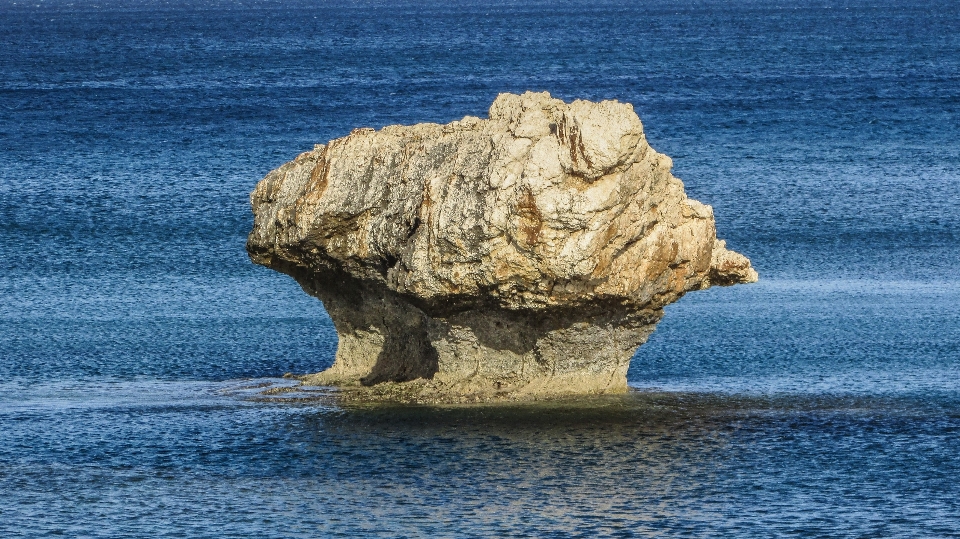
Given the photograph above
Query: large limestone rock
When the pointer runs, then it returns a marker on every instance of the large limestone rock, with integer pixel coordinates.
(527, 254)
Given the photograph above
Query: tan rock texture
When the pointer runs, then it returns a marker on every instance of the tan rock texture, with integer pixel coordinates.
(528, 254)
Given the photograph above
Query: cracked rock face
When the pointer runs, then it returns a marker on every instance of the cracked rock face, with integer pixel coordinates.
(526, 254)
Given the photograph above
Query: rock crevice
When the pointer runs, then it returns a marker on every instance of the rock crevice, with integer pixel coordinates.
(527, 254)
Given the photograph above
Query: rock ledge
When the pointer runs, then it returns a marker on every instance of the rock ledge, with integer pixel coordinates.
(522, 256)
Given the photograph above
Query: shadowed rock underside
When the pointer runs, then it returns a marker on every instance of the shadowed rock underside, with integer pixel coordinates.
(521, 256)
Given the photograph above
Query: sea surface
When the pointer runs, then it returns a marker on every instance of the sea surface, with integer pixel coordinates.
(823, 401)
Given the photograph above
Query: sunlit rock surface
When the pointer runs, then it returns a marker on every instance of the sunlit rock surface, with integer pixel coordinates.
(524, 255)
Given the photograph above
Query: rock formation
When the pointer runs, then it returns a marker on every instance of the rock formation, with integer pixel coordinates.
(523, 255)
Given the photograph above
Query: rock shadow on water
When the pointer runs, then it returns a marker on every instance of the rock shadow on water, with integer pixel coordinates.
(632, 413)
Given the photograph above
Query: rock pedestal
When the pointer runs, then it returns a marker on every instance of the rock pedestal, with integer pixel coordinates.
(524, 255)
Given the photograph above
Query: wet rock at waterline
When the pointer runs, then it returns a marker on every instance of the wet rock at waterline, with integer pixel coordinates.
(524, 255)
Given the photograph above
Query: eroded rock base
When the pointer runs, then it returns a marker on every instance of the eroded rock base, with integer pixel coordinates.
(391, 349)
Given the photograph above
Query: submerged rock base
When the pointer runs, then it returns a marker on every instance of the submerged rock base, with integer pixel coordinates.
(476, 354)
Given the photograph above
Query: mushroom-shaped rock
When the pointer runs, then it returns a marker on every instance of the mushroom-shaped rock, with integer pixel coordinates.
(527, 254)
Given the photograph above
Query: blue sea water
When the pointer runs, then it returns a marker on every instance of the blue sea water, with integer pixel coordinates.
(823, 401)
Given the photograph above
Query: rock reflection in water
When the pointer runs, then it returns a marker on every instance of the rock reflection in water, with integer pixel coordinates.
(158, 459)
(635, 464)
